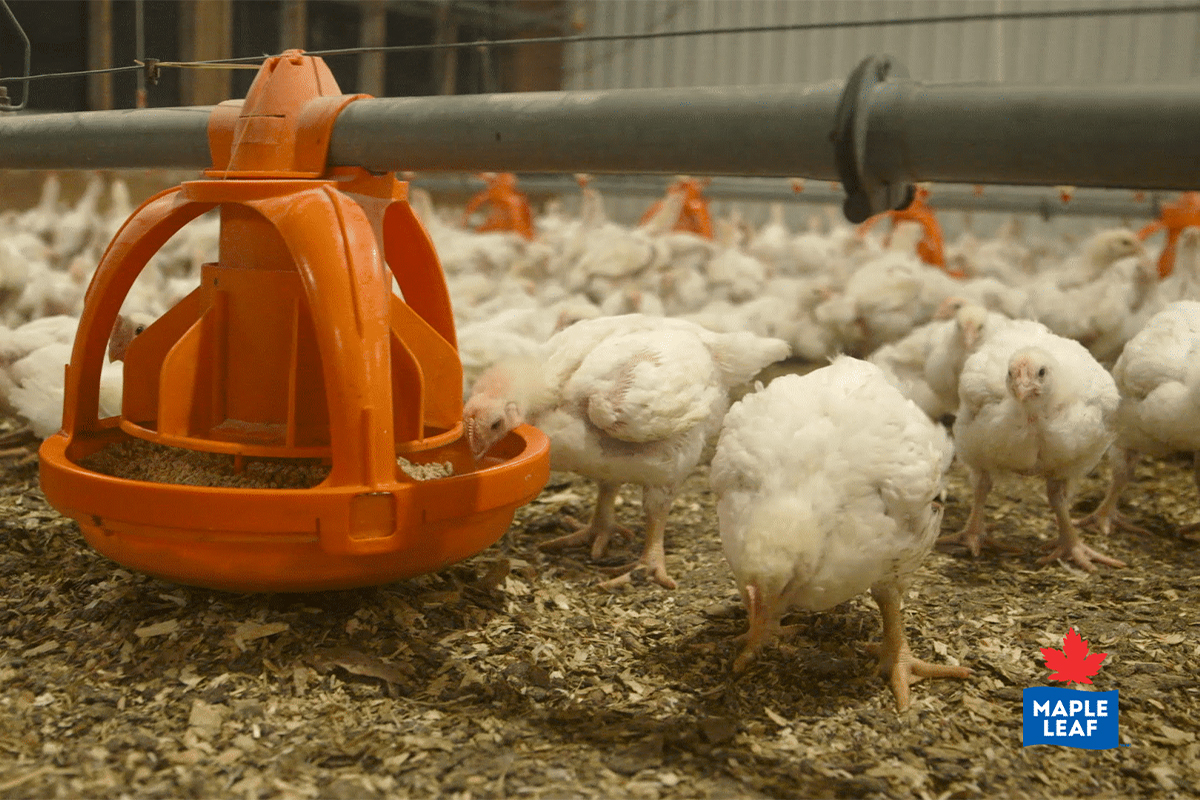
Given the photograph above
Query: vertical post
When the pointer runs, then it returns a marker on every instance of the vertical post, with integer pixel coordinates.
(538, 67)
(206, 33)
(445, 61)
(372, 33)
(293, 25)
(139, 21)
(100, 87)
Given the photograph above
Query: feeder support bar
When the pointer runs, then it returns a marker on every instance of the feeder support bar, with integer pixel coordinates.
(901, 131)
(159, 138)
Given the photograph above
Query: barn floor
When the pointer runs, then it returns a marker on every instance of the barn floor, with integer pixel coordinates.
(512, 675)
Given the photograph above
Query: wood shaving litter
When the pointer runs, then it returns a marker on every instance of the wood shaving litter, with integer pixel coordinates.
(139, 460)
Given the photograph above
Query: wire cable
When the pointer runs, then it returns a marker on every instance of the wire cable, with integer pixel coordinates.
(1077, 13)
(7, 105)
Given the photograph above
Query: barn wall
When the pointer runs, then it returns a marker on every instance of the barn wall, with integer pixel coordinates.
(1151, 48)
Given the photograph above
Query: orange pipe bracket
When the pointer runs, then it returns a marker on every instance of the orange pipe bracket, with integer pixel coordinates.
(1173, 218)
(694, 216)
(508, 209)
(930, 249)
(293, 348)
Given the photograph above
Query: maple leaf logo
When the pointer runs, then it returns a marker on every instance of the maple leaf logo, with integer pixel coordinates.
(1073, 663)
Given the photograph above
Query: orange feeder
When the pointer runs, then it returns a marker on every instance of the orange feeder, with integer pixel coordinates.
(508, 209)
(1173, 218)
(930, 248)
(694, 216)
(293, 350)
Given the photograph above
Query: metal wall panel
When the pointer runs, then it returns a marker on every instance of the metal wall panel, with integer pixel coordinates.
(1119, 49)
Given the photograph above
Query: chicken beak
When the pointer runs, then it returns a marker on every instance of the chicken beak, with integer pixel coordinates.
(478, 448)
(1023, 383)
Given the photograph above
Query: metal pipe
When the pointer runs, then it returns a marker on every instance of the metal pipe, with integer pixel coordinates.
(168, 138)
(1116, 136)
(735, 130)
(890, 131)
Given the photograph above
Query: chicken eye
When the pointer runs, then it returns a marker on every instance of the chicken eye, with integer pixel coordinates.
(496, 425)
(138, 329)
(1042, 372)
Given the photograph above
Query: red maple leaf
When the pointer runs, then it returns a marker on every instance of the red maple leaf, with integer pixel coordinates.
(1073, 663)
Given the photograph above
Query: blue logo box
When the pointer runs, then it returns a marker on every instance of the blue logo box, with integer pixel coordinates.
(1070, 718)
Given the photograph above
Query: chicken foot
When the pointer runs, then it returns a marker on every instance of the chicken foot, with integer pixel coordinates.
(896, 661)
(761, 628)
(1106, 514)
(1069, 545)
(597, 533)
(974, 534)
(657, 502)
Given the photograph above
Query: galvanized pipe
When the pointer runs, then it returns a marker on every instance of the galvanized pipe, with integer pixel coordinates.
(1112, 136)
(1141, 137)
(734, 130)
(158, 138)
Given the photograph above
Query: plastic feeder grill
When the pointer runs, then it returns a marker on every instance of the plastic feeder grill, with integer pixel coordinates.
(293, 353)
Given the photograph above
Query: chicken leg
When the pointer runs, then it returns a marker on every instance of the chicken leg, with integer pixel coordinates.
(1106, 514)
(896, 661)
(1192, 527)
(657, 502)
(1058, 492)
(973, 535)
(598, 533)
(761, 627)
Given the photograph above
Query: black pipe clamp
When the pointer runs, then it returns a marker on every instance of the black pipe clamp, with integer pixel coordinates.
(865, 195)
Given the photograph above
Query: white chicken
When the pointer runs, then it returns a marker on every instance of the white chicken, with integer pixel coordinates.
(952, 345)
(74, 230)
(826, 485)
(17, 343)
(732, 273)
(40, 219)
(926, 363)
(1158, 375)
(37, 394)
(1099, 253)
(772, 244)
(1184, 281)
(628, 399)
(1034, 403)
(1097, 313)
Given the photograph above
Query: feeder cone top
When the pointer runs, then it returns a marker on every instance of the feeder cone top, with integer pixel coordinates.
(282, 128)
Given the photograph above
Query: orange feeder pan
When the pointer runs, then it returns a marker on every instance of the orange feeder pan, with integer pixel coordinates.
(292, 347)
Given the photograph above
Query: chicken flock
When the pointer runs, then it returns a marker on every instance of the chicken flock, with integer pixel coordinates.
(624, 344)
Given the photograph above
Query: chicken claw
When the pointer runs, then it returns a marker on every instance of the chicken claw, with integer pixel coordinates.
(599, 531)
(896, 661)
(903, 669)
(657, 571)
(976, 542)
(1081, 554)
(1104, 522)
(592, 534)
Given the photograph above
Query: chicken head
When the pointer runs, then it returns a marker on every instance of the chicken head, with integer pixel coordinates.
(1029, 373)
(494, 408)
